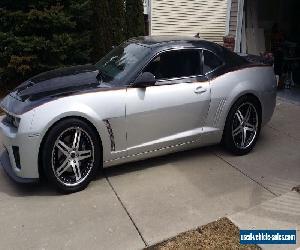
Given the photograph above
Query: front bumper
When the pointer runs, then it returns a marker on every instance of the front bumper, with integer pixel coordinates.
(22, 167)
(5, 162)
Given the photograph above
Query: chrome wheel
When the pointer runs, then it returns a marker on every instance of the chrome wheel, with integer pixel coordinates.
(72, 156)
(245, 125)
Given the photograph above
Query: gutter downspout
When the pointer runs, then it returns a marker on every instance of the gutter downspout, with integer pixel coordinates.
(150, 16)
(228, 17)
(238, 35)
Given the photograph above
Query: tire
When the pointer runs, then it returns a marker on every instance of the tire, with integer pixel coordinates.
(71, 155)
(243, 125)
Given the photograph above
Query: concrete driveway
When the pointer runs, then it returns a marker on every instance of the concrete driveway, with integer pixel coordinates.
(142, 203)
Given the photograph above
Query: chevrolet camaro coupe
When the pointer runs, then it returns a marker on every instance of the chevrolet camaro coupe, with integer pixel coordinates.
(149, 96)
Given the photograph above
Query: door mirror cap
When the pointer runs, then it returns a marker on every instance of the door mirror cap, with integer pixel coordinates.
(144, 80)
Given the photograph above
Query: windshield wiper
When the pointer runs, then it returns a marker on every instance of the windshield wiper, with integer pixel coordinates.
(100, 76)
(103, 77)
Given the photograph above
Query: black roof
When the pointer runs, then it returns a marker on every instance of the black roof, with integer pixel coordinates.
(152, 40)
(159, 42)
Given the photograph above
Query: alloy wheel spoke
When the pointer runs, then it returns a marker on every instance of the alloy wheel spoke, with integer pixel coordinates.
(250, 127)
(76, 170)
(63, 167)
(248, 113)
(84, 154)
(239, 116)
(63, 147)
(76, 140)
(236, 131)
(244, 135)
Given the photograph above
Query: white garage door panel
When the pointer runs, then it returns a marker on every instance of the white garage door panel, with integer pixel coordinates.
(189, 17)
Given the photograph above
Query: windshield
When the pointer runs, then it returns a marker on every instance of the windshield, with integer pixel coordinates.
(120, 61)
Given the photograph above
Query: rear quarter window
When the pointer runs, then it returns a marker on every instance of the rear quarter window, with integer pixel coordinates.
(210, 61)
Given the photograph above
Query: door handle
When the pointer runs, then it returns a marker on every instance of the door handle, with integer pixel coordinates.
(200, 90)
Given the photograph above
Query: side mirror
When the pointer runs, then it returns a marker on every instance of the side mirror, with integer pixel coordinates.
(146, 79)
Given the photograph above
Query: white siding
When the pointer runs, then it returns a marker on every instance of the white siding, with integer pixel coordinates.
(189, 17)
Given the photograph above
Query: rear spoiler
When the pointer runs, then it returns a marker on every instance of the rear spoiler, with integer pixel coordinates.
(266, 59)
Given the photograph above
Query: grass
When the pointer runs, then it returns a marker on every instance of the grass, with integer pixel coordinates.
(221, 234)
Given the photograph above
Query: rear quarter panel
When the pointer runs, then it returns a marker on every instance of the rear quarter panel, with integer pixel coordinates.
(229, 87)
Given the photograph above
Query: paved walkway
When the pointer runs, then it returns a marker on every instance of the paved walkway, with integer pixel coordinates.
(142, 203)
(282, 212)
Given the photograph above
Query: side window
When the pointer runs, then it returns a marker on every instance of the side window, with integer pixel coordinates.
(175, 64)
(211, 61)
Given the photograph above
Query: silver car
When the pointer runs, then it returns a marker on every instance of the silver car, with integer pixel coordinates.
(148, 97)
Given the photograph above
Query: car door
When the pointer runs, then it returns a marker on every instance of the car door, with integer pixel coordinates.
(174, 110)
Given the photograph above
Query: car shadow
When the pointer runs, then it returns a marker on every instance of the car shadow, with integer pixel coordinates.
(157, 161)
(11, 188)
(43, 187)
(218, 150)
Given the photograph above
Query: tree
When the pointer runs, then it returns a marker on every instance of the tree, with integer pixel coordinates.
(135, 18)
(101, 36)
(36, 36)
(117, 15)
(108, 24)
(41, 35)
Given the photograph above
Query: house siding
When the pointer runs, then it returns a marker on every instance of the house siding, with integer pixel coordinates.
(189, 17)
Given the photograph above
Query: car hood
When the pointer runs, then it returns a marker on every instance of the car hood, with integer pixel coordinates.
(60, 81)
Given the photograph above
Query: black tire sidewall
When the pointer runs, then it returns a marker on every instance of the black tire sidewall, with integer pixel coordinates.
(48, 145)
(228, 139)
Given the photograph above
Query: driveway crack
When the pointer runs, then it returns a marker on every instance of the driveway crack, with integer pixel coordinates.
(285, 133)
(127, 212)
(246, 175)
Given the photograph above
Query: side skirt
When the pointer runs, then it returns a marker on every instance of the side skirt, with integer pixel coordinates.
(209, 138)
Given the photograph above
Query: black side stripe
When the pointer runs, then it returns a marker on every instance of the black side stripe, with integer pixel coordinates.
(111, 135)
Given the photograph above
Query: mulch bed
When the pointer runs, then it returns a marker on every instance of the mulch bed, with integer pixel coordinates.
(221, 234)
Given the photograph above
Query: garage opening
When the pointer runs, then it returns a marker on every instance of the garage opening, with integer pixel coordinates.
(272, 26)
